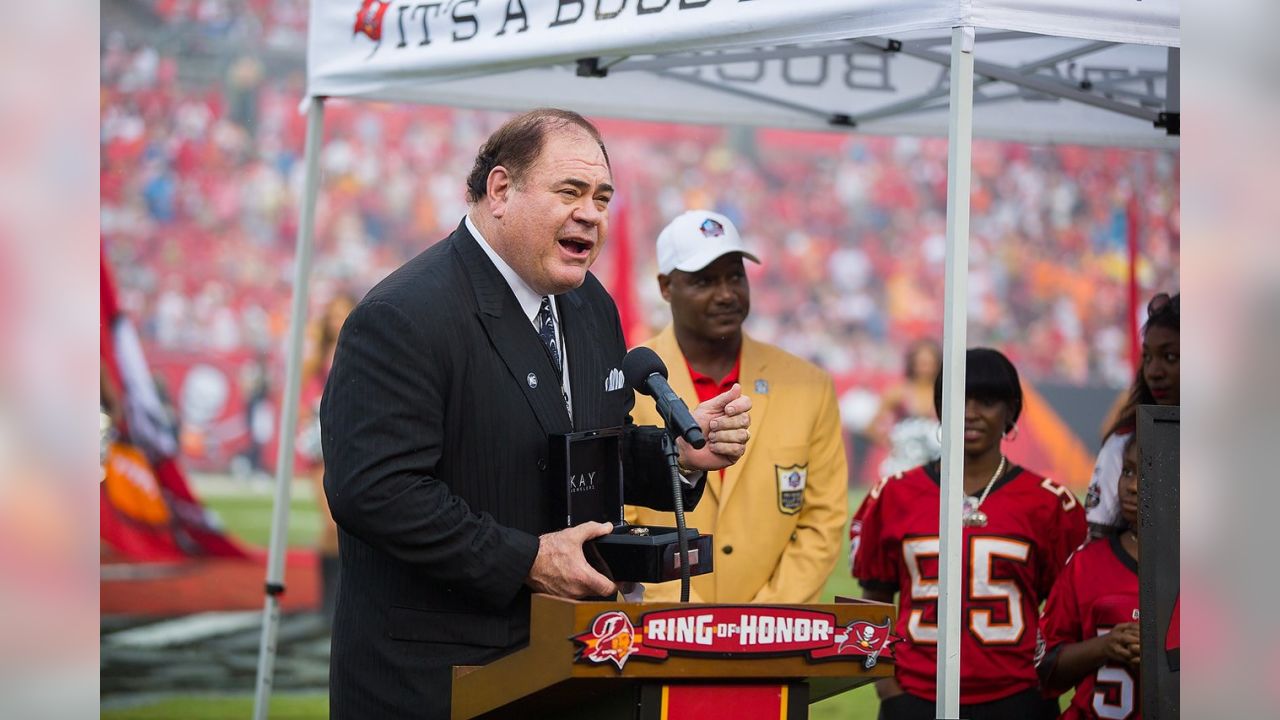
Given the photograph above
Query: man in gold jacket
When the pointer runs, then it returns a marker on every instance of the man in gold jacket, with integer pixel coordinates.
(778, 514)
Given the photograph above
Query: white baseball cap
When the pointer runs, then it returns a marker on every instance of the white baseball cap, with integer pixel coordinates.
(695, 239)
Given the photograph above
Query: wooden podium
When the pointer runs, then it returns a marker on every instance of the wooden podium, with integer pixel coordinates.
(669, 661)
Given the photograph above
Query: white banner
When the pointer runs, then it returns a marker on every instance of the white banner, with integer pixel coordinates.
(811, 64)
(355, 45)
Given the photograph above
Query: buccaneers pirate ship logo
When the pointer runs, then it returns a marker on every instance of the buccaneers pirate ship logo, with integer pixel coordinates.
(863, 638)
(731, 631)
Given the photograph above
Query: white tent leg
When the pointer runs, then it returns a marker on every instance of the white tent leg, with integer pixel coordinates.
(289, 412)
(954, 341)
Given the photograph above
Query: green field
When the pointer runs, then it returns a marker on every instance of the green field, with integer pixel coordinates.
(248, 517)
(221, 707)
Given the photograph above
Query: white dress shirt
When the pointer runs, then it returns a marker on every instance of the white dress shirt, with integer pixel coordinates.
(530, 302)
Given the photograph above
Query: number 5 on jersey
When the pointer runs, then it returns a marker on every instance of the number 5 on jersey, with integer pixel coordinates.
(1114, 693)
(982, 586)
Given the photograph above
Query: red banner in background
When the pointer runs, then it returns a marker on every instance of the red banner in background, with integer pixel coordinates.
(1044, 443)
(227, 419)
(621, 284)
(148, 511)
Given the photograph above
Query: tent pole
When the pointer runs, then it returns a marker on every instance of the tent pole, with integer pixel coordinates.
(289, 412)
(954, 341)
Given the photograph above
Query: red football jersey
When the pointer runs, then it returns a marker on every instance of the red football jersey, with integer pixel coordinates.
(1097, 591)
(1008, 567)
(855, 524)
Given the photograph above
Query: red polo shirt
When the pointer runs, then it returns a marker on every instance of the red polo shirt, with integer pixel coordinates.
(707, 387)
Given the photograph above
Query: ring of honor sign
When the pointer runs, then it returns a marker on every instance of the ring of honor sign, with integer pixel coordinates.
(732, 631)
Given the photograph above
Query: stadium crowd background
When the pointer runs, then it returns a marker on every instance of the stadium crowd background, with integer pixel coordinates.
(201, 149)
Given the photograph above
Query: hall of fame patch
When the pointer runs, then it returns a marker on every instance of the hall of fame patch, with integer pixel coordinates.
(791, 482)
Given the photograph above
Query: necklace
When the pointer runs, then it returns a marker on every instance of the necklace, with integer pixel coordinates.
(972, 515)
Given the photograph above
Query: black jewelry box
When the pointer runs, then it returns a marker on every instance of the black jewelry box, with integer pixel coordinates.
(653, 556)
(586, 472)
(586, 468)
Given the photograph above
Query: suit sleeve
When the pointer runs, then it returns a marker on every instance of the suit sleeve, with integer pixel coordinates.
(809, 557)
(648, 479)
(383, 435)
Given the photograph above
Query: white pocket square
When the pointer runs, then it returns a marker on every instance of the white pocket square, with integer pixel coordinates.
(614, 381)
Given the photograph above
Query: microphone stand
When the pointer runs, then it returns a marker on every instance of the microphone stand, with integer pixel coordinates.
(677, 497)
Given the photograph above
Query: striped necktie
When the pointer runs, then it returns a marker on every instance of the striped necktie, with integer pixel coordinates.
(547, 332)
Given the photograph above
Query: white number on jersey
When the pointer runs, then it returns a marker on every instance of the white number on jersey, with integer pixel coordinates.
(982, 586)
(1065, 496)
(983, 550)
(1113, 676)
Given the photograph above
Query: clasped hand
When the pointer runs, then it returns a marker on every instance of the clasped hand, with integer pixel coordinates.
(1123, 644)
(724, 420)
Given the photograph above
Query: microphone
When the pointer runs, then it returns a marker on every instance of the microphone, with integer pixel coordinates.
(647, 375)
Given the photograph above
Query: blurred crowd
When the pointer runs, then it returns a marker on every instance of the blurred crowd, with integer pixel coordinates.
(278, 24)
(201, 171)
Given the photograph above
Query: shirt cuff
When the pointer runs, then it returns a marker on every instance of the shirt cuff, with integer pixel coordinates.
(693, 478)
(689, 476)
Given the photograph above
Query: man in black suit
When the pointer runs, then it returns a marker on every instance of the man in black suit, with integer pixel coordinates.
(446, 381)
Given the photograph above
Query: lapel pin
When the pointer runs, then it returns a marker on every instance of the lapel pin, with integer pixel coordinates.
(762, 387)
(533, 380)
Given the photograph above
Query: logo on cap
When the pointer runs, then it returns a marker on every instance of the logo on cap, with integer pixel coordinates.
(711, 228)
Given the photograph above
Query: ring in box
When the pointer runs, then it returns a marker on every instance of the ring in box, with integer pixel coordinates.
(587, 471)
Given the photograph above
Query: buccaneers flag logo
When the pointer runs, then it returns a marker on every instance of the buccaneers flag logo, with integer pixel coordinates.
(369, 19)
(612, 638)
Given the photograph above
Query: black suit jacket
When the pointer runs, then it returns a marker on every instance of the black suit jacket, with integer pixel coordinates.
(435, 448)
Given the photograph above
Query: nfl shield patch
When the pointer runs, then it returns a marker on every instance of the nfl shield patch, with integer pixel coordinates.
(791, 481)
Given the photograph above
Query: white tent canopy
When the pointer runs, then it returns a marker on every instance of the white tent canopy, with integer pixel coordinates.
(1078, 71)
(1086, 71)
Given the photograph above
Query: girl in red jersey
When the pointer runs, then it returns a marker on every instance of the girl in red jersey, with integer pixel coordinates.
(1091, 620)
(1019, 530)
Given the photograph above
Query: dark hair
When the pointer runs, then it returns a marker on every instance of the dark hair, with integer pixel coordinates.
(1163, 311)
(909, 360)
(518, 143)
(988, 376)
